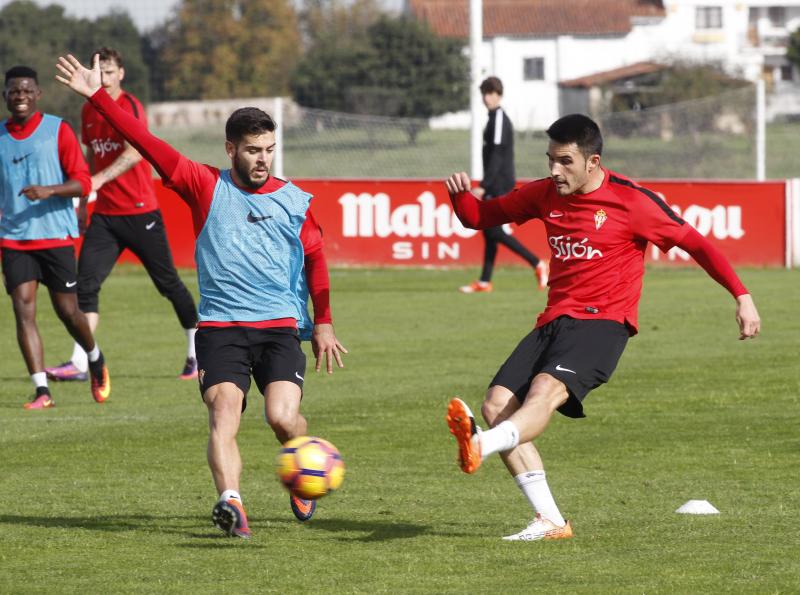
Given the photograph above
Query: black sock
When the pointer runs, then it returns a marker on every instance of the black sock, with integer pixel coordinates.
(96, 368)
(42, 390)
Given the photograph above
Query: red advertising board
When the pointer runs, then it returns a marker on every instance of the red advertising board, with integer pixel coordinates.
(411, 223)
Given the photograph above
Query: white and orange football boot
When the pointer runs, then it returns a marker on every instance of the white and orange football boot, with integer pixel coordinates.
(476, 287)
(542, 528)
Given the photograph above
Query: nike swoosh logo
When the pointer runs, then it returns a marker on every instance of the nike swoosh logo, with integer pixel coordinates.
(560, 369)
(556, 214)
(16, 160)
(150, 225)
(300, 377)
(253, 219)
(71, 283)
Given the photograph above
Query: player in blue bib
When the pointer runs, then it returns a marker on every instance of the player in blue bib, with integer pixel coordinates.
(259, 258)
(41, 169)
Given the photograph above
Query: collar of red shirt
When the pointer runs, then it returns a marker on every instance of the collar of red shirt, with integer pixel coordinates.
(26, 128)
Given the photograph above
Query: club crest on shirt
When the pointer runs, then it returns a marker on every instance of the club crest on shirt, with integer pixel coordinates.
(599, 218)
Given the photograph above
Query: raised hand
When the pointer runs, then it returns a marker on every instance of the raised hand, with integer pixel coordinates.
(457, 183)
(77, 77)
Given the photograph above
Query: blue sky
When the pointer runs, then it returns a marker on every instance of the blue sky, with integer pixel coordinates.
(146, 13)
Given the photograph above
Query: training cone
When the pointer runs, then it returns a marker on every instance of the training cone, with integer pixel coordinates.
(698, 507)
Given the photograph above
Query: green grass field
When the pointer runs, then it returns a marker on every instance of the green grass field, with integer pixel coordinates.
(116, 498)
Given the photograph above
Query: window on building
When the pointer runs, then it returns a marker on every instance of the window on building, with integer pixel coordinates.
(708, 17)
(777, 16)
(787, 72)
(533, 69)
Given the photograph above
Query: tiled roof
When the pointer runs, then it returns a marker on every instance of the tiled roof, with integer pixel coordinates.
(609, 76)
(536, 18)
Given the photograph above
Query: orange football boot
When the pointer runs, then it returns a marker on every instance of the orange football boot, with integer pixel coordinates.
(462, 426)
(101, 387)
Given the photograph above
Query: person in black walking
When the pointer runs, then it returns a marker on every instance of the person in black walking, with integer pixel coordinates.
(499, 179)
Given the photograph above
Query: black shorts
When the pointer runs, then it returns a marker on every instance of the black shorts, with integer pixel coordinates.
(55, 267)
(233, 353)
(580, 353)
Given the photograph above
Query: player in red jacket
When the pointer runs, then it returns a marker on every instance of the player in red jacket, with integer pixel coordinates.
(598, 224)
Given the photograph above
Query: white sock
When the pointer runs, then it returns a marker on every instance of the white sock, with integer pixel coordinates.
(504, 436)
(39, 379)
(94, 354)
(227, 494)
(190, 333)
(79, 358)
(534, 485)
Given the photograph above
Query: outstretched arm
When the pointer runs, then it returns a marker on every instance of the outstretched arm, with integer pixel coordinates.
(87, 83)
(473, 213)
(718, 267)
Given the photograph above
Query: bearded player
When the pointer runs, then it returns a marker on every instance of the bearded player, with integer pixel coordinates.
(259, 255)
(598, 224)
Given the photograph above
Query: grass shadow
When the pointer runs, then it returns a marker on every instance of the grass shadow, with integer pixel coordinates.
(350, 530)
(373, 531)
(107, 523)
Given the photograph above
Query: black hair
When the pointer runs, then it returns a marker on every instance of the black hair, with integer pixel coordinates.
(492, 85)
(248, 120)
(21, 72)
(578, 129)
(109, 55)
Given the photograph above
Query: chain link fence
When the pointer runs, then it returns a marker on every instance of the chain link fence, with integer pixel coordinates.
(712, 137)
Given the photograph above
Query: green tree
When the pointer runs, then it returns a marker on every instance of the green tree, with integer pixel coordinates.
(320, 19)
(216, 49)
(36, 36)
(393, 67)
(331, 68)
(428, 75)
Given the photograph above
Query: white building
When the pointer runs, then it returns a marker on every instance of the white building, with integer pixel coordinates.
(533, 45)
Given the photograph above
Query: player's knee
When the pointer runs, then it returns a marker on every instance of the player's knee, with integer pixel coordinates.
(491, 412)
(284, 424)
(498, 405)
(69, 313)
(24, 309)
(548, 391)
(224, 403)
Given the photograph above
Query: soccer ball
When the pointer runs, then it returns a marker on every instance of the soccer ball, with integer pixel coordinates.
(310, 467)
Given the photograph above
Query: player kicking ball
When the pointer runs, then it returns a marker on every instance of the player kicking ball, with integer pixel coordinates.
(259, 255)
(598, 224)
